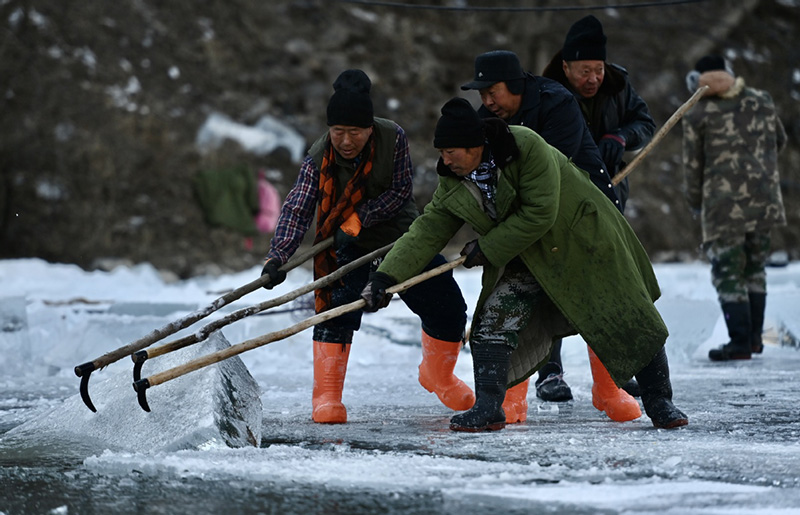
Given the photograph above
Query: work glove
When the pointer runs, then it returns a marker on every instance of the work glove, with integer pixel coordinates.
(375, 294)
(348, 232)
(611, 147)
(276, 276)
(474, 255)
(342, 239)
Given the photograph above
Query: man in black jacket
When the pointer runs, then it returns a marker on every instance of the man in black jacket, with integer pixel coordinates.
(616, 115)
(548, 108)
(542, 105)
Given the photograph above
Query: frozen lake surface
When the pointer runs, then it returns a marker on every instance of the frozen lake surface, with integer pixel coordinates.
(740, 453)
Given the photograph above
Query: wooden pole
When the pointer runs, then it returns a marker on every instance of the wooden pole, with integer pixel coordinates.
(175, 326)
(215, 357)
(677, 115)
(206, 330)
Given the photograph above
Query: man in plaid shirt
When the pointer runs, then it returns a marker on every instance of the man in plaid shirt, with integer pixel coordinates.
(357, 177)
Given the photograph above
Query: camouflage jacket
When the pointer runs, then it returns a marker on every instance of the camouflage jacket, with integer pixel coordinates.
(731, 141)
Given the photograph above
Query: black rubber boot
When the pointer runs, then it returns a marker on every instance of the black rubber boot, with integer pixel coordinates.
(490, 363)
(740, 330)
(758, 304)
(656, 391)
(632, 387)
(550, 384)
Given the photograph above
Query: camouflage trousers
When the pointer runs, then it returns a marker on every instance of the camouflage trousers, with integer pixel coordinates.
(737, 265)
(509, 308)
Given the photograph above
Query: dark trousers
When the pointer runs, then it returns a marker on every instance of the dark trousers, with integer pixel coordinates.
(438, 302)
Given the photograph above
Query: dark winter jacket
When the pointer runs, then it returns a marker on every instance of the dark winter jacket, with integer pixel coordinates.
(616, 109)
(574, 242)
(549, 109)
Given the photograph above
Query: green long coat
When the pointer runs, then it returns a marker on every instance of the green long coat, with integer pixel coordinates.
(570, 236)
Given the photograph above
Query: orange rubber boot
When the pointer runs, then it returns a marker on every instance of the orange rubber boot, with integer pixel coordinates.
(516, 403)
(436, 373)
(608, 397)
(330, 367)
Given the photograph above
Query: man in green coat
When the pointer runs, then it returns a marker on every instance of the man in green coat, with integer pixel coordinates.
(544, 230)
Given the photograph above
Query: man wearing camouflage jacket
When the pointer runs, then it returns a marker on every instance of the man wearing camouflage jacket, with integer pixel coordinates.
(731, 140)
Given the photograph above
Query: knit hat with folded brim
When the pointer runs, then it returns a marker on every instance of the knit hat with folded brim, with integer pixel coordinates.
(709, 63)
(351, 104)
(459, 126)
(585, 41)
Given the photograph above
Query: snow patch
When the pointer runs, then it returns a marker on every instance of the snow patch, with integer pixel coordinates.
(263, 138)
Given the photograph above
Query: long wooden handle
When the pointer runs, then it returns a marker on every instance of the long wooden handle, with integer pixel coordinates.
(176, 325)
(677, 115)
(247, 345)
(206, 330)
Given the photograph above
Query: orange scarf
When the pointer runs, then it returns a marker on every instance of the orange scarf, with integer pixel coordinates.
(333, 212)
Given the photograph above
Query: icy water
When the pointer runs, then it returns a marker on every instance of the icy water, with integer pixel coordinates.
(740, 454)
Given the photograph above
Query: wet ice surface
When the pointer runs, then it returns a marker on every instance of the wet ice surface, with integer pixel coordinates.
(740, 453)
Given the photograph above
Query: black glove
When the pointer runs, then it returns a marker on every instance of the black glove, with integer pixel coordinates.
(474, 255)
(275, 276)
(342, 239)
(611, 147)
(375, 294)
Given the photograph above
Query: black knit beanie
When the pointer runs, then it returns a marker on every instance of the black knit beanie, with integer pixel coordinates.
(351, 104)
(585, 41)
(711, 63)
(459, 127)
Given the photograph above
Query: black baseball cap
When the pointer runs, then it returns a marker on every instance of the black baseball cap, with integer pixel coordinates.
(493, 67)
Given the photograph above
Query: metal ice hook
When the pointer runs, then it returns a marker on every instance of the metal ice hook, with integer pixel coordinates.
(84, 372)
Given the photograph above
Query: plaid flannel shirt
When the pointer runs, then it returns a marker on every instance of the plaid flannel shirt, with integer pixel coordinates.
(300, 205)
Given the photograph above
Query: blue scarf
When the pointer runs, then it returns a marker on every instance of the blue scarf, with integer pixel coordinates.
(485, 177)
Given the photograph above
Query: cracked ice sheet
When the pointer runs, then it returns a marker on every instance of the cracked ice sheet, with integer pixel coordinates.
(461, 479)
(339, 466)
(640, 496)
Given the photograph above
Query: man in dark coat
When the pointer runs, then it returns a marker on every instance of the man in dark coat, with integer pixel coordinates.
(617, 117)
(544, 229)
(544, 106)
(357, 177)
(549, 109)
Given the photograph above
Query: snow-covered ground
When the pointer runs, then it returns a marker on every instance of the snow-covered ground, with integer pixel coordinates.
(740, 453)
